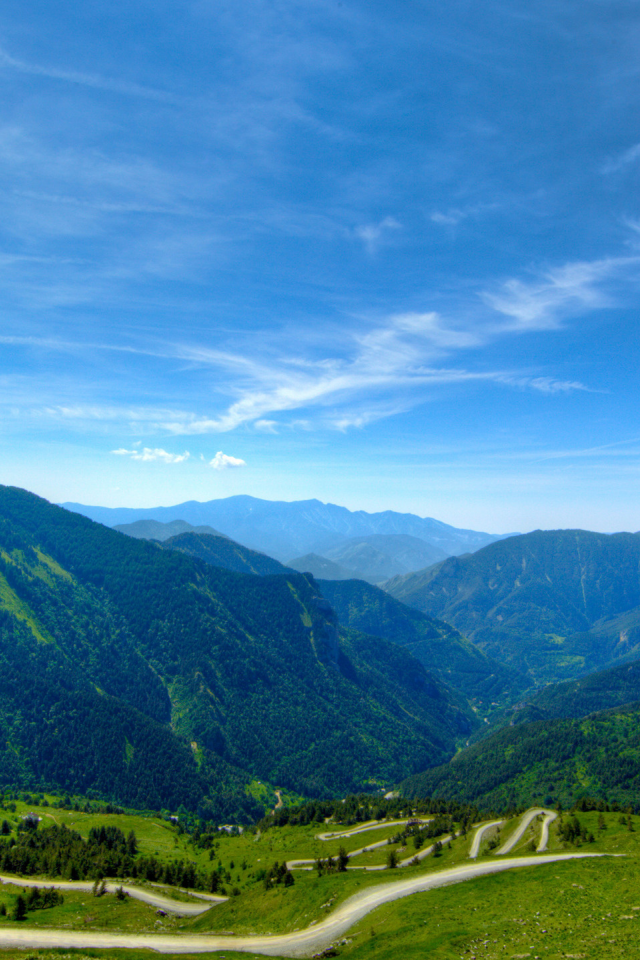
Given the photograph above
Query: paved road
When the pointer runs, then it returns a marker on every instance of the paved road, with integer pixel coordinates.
(138, 893)
(300, 944)
(524, 823)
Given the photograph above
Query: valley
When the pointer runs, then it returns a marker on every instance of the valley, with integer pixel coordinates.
(222, 709)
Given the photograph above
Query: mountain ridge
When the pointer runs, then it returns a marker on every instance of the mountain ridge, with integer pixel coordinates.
(286, 529)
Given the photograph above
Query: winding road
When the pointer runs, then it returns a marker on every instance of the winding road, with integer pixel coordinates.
(528, 817)
(480, 832)
(548, 819)
(137, 893)
(371, 825)
(303, 943)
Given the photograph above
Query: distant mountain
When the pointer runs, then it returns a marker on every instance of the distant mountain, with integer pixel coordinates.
(381, 556)
(147, 675)
(155, 530)
(321, 568)
(219, 551)
(438, 646)
(284, 530)
(542, 763)
(555, 604)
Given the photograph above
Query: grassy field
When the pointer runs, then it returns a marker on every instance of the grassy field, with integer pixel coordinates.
(582, 909)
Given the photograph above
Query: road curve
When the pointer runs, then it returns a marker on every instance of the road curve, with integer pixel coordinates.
(418, 855)
(300, 944)
(477, 838)
(524, 823)
(548, 819)
(138, 893)
(371, 825)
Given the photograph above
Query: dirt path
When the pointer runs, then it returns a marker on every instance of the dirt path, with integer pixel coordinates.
(138, 893)
(301, 944)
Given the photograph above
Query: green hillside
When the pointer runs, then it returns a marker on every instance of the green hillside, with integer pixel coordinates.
(556, 604)
(321, 568)
(603, 690)
(246, 677)
(542, 763)
(438, 646)
(219, 551)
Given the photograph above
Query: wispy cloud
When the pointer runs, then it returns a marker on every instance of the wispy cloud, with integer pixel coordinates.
(223, 461)
(454, 215)
(604, 449)
(630, 156)
(266, 426)
(148, 455)
(372, 235)
(544, 304)
(88, 80)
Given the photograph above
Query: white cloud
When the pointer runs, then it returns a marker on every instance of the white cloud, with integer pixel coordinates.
(368, 369)
(544, 384)
(449, 219)
(542, 305)
(454, 215)
(148, 454)
(372, 234)
(222, 461)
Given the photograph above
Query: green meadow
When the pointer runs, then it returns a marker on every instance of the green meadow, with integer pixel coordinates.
(581, 909)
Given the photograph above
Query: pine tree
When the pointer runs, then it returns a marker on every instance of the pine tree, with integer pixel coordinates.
(20, 908)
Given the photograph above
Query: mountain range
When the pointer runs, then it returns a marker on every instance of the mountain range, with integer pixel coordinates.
(364, 607)
(286, 530)
(156, 530)
(376, 558)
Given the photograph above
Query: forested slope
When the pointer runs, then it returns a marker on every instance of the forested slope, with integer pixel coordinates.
(603, 690)
(438, 646)
(556, 604)
(219, 551)
(542, 763)
(245, 676)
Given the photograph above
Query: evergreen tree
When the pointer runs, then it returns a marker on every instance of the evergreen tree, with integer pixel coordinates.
(20, 908)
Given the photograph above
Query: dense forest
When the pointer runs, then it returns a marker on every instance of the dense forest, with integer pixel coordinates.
(547, 762)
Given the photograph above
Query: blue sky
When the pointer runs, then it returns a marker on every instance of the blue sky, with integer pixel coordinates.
(383, 255)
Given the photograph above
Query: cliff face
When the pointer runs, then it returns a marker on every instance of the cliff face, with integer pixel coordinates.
(325, 632)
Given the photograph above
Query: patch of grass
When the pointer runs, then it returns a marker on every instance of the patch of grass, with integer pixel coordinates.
(82, 911)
